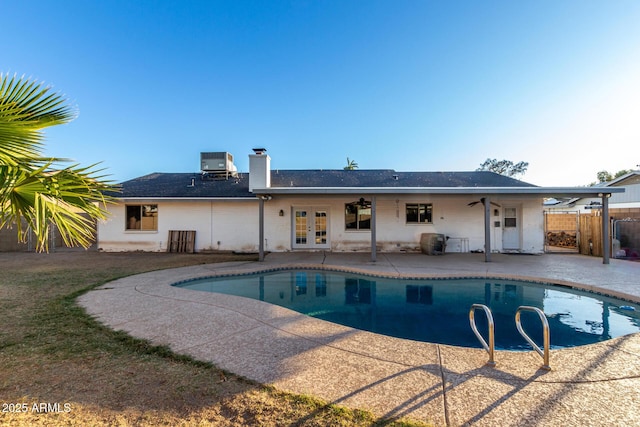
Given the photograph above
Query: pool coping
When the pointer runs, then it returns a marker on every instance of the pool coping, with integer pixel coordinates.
(391, 377)
(635, 299)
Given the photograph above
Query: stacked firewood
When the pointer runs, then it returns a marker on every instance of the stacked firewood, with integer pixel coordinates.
(562, 239)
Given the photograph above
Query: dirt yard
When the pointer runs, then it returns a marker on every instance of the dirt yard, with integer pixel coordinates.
(60, 367)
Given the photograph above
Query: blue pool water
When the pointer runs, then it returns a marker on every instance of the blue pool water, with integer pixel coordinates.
(436, 310)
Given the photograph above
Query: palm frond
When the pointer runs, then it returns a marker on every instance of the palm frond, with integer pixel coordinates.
(71, 198)
(27, 107)
(37, 192)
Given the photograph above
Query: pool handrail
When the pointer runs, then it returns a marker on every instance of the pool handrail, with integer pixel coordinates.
(545, 334)
(490, 347)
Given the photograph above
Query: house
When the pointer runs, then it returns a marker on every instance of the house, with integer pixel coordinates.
(630, 199)
(337, 210)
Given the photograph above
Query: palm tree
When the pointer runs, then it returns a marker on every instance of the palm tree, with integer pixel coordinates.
(351, 165)
(37, 192)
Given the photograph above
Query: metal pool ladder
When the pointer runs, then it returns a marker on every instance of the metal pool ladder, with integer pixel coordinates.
(490, 347)
(545, 333)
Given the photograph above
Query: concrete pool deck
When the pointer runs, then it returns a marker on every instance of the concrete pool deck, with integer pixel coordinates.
(595, 385)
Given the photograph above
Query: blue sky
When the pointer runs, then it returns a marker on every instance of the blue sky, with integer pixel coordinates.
(406, 85)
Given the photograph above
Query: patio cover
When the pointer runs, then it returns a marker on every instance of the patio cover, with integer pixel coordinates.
(265, 194)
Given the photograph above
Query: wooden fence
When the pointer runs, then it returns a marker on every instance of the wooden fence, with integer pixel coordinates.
(9, 239)
(591, 229)
(591, 234)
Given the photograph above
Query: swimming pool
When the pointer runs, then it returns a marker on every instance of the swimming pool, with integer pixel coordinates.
(436, 310)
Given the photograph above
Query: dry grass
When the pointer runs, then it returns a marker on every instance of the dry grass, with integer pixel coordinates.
(52, 353)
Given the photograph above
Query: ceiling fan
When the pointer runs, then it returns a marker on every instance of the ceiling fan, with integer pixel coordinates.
(363, 203)
(482, 200)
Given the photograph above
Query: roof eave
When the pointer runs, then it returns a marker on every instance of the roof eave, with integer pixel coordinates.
(537, 191)
(621, 178)
(186, 199)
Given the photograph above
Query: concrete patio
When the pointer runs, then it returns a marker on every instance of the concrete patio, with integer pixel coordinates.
(593, 385)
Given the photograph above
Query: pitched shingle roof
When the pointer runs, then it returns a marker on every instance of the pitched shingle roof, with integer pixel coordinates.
(390, 178)
(184, 185)
(194, 185)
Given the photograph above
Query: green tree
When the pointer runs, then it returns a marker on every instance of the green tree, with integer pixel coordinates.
(504, 167)
(605, 176)
(351, 165)
(37, 192)
(621, 172)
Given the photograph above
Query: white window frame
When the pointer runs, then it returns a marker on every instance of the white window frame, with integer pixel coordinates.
(145, 220)
(428, 217)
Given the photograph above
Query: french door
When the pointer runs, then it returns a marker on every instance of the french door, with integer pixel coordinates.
(310, 228)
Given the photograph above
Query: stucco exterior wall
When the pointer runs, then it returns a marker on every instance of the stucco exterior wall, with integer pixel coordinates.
(233, 225)
(532, 227)
(218, 225)
(451, 216)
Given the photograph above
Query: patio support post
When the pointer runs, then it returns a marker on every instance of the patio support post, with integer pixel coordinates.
(261, 228)
(373, 229)
(605, 228)
(487, 229)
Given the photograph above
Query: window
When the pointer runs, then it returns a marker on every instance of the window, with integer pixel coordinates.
(301, 227)
(510, 217)
(357, 215)
(142, 217)
(419, 213)
(321, 227)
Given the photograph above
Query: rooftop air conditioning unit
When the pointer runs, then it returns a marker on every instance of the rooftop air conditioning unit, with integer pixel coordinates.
(217, 162)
